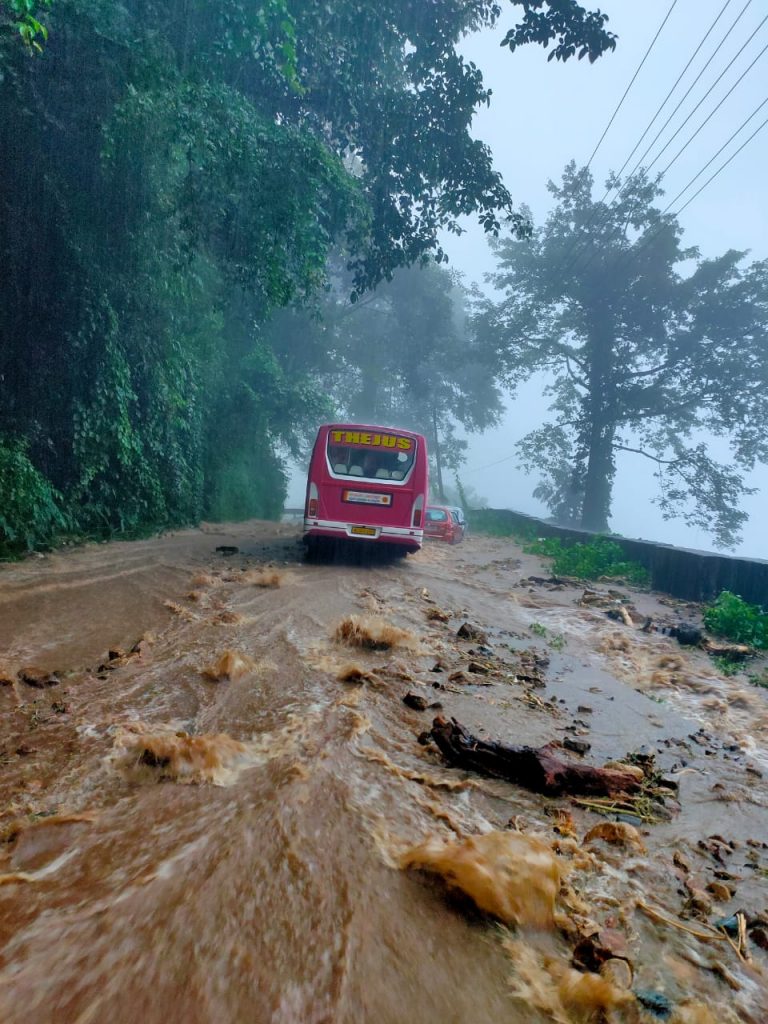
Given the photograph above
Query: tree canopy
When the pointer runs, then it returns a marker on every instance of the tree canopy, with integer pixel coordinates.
(172, 176)
(650, 350)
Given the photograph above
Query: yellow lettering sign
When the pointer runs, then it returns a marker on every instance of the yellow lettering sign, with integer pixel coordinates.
(362, 438)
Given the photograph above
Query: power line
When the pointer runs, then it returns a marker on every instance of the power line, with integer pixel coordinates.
(661, 227)
(623, 189)
(703, 98)
(659, 109)
(723, 166)
(488, 465)
(632, 82)
(571, 256)
(715, 110)
(716, 155)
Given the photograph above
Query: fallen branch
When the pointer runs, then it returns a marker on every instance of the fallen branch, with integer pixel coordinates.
(536, 768)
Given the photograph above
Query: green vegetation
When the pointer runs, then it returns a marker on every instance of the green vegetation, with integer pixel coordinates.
(556, 641)
(727, 666)
(645, 355)
(495, 523)
(759, 678)
(735, 619)
(175, 184)
(597, 559)
(31, 513)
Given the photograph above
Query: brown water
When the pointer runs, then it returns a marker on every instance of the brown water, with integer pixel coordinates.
(214, 827)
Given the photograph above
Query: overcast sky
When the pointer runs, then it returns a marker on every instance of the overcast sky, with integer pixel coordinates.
(544, 114)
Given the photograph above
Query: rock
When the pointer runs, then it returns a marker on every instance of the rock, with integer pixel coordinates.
(729, 924)
(720, 891)
(686, 634)
(669, 782)
(681, 861)
(227, 549)
(760, 937)
(591, 952)
(584, 709)
(478, 668)
(698, 903)
(618, 833)
(424, 738)
(457, 677)
(618, 971)
(578, 746)
(467, 631)
(415, 701)
(656, 1002)
(38, 677)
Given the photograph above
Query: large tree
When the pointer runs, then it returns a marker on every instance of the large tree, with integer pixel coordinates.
(403, 355)
(170, 175)
(650, 350)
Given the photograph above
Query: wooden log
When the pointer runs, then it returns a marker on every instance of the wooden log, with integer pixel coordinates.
(536, 768)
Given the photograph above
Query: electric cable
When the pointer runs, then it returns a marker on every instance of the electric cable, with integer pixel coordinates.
(679, 78)
(716, 155)
(632, 82)
(703, 98)
(622, 189)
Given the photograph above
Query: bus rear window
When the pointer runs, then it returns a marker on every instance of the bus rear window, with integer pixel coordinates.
(370, 463)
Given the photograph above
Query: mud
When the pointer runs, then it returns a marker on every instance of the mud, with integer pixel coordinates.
(207, 817)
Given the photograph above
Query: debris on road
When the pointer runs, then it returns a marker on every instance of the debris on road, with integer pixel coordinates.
(538, 769)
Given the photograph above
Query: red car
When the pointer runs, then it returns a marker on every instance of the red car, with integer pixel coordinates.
(441, 524)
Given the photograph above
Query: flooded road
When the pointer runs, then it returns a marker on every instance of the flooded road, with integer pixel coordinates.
(215, 807)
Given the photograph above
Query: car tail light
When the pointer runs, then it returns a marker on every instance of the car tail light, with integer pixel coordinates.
(418, 505)
(312, 503)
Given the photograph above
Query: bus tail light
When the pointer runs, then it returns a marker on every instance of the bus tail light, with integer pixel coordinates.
(312, 503)
(418, 506)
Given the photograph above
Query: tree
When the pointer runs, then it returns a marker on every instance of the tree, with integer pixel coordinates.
(646, 355)
(173, 175)
(402, 356)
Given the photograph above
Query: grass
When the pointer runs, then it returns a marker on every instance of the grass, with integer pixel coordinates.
(555, 640)
(735, 619)
(759, 679)
(596, 559)
(727, 666)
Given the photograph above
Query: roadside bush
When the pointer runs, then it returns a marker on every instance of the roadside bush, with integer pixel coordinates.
(31, 512)
(590, 560)
(734, 619)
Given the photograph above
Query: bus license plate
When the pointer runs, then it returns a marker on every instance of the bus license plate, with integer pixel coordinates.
(367, 498)
(363, 531)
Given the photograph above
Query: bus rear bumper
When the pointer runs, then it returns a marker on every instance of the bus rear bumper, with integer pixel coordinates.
(409, 537)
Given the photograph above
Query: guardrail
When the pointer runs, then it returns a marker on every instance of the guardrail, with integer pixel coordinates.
(680, 572)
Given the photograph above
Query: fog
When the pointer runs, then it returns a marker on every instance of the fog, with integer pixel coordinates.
(544, 114)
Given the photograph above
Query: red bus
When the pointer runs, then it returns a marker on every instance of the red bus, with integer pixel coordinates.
(366, 483)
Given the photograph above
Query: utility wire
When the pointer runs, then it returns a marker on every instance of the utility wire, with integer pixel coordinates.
(571, 256)
(712, 160)
(715, 110)
(632, 82)
(630, 177)
(703, 98)
(659, 109)
(723, 166)
(653, 235)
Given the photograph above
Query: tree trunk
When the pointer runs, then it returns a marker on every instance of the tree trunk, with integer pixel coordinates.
(598, 482)
(539, 769)
(438, 460)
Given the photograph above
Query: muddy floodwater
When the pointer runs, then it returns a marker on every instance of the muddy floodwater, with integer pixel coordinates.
(216, 807)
